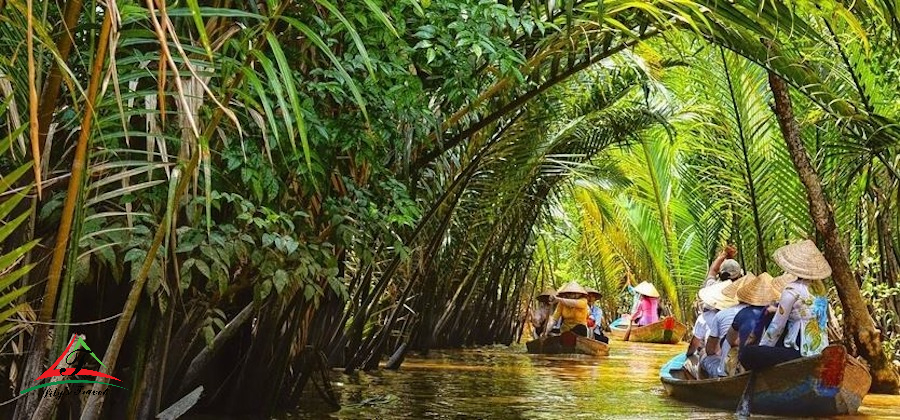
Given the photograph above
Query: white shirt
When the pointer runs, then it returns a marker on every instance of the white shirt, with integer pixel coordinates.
(703, 323)
(719, 328)
(709, 282)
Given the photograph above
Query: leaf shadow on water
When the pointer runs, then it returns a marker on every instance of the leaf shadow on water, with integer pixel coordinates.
(505, 382)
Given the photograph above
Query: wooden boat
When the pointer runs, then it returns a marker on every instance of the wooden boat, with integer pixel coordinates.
(666, 331)
(828, 384)
(567, 342)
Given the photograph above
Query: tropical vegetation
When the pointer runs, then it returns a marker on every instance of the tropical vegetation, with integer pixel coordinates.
(239, 195)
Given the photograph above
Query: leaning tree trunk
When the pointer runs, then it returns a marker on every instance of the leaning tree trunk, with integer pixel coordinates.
(858, 323)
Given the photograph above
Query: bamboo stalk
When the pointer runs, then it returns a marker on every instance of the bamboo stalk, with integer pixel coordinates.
(95, 402)
(39, 349)
(50, 91)
(33, 101)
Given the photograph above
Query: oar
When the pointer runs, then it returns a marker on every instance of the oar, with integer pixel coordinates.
(628, 331)
(743, 408)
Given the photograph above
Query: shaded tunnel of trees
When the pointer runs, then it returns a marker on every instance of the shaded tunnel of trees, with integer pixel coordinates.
(238, 195)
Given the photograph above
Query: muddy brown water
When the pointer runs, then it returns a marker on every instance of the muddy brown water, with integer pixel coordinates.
(506, 383)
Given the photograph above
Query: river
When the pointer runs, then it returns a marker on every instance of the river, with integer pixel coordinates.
(504, 382)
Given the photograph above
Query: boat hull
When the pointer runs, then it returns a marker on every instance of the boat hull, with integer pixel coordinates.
(666, 331)
(831, 383)
(567, 343)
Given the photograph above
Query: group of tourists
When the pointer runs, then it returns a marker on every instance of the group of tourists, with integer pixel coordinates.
(571, 308)
(750, 322)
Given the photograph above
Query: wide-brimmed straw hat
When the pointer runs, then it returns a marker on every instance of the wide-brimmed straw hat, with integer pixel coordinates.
(804, 260)
(713, 296)
(759, 292)
(546, 295)
(780, 282)
(731, 290)
(593, 292)
(732, 267)
(646, 289)
(572, 287)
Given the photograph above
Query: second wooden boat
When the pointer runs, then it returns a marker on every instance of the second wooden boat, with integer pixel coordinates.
(567, 343)
(831, 383)
(666, 331)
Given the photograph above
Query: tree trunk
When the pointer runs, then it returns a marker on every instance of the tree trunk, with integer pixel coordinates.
(858, 323)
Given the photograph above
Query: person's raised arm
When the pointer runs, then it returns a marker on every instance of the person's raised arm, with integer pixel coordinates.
(728, 252)
(574, 303)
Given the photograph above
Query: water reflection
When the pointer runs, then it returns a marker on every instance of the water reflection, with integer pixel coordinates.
(501, 382)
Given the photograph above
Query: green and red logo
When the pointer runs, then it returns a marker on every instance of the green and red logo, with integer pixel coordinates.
(74, 356)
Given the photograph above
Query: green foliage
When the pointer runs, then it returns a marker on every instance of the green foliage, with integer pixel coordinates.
(372, 172)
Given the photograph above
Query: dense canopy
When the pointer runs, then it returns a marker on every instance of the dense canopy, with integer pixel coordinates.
(238, 194)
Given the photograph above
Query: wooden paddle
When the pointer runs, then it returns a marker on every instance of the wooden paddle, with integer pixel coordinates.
(628, 331)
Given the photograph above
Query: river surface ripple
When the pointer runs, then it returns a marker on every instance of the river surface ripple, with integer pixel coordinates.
(506, 383)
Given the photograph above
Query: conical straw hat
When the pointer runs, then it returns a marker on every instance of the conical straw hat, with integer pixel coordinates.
(759, 292)
(572, 287)
(731, 290)
(713, 296)
(780, 282)
(803, 260)
(646, 289)
(594, 292)
(546, 294)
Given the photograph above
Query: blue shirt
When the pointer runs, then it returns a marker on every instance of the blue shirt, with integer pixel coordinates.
(747, 321)
(597, 314)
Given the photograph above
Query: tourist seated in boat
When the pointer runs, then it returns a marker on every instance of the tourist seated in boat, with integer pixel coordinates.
(595, 317)
(712, 298)
(723, 269)
(758, 295)
(716, 346)
(799, 326)
(571, 308)
(766, 317)
(540, 313)
(648, 307)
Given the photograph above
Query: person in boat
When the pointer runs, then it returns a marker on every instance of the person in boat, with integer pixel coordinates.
(766, 318)
(758, 295)
(799, 326)
(541, 312)
(635, 301)
(724, 267)
(712, 297)
(571, 308)
(647, 312)
(595, 317)
(716, 346)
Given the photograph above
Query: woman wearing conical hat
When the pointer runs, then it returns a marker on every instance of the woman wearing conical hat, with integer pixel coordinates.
(717, 347)
(799, 326)
(647, 310)
(572, 309)
(757, 295)
(713, 298)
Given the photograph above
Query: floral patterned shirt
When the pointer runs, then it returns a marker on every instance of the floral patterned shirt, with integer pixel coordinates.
(801, 314)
